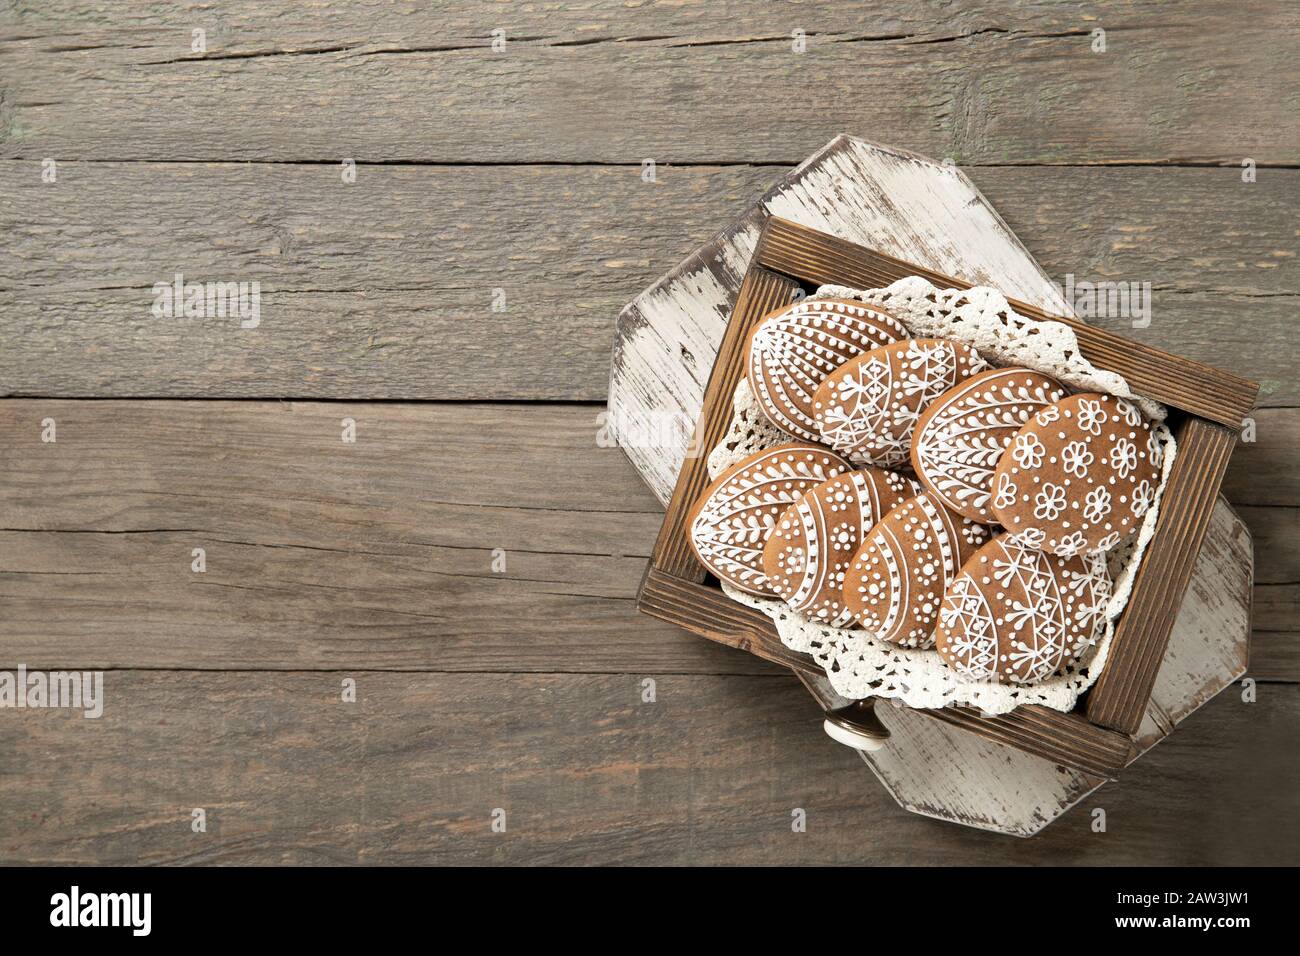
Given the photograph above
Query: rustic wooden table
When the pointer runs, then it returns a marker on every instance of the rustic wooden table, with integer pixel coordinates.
(469, 561)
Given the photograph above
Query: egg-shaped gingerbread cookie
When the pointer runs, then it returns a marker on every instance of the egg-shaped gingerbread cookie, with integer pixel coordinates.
(961, 436)
(896, 582)
(1079, 475)
(790, 353)
(814, 540)
(868, 407)
(1018, 615)
(731, 521)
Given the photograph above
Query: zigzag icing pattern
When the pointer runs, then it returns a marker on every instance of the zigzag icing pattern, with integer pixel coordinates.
(1019, 615)
(868, 408)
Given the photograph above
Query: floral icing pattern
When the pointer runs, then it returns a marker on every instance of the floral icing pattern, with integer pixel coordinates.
(1092, 485)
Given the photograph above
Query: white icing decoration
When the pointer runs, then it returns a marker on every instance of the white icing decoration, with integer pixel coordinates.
(814, 563)
(959, 447)
(1028, 640)
(874, 400)
(733, 524)
(906, 565)
(792, 353)
(1105, 458)
(860, 666)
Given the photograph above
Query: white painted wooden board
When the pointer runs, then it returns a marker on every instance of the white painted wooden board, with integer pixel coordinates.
(928, 213)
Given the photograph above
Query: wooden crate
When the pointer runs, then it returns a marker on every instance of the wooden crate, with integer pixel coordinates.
(1206, 410)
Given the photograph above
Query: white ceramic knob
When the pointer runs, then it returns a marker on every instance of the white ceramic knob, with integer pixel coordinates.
(856, 726)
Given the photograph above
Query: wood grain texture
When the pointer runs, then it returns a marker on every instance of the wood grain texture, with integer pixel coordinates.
(706, 610)
(1067, 739)
(586, 773)
(938, 770)
(324, 554)
(377, 290)
(991, 87)
(1210, 644)
(1121, 694)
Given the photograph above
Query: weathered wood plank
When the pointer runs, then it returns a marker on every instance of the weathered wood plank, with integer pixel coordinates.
(1277, 543)
(1197, 84)
(378, 290)
(277, 27)
(585, 771)
(1275, 655)
(1209, 646)
(325, 554)
(1265, 471)
(377, 554)
(386, 288)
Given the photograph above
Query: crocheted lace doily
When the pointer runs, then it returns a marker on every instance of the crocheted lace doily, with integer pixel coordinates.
(860, 665)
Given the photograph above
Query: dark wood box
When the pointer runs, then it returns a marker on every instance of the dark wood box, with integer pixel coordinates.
(1206, 410)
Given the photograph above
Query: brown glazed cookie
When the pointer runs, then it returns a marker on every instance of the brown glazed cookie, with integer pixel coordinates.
(1018, 615)
(790, 353)
(730, 524)
(961, 436)
(897, 580)
(814, 540)
(1079, 476)
(868, 407)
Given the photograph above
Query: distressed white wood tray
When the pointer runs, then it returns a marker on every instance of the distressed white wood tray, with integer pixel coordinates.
(928, 213)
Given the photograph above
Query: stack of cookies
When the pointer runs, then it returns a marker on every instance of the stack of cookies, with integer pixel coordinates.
(927, 497)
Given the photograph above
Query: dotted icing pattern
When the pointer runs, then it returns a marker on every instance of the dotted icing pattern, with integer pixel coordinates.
(791, 353)
(962, 435)
(813, 543)
(896, 583)
(868, 408)
(1079, 476)
(731, 524)
(1019, 615)
(859, 665)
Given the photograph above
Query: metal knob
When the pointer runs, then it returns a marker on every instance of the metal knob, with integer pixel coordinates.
(856, 726)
